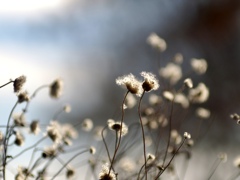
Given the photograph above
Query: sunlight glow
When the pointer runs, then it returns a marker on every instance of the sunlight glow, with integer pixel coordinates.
(26, 7)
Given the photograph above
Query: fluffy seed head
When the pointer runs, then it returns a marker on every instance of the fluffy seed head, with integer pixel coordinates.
(23, 97)
(70, 173)
(116, 126)
(150, 82)
(199, 65)
(104, 173)
(199, 94)
(56, 88)
(19, 140)
(171, 72)
(236, 162)
(156, 42)
(131, 83)
(186, 135)
(18, 83)
(203, 113)
(34, 127)
(168, 95)
(92, 150)
(87, 125)
(188, 83)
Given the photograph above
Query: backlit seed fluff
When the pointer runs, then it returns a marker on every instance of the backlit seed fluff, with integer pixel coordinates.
(199, 94)
(168, 95)
(171, 72)
(203, 113)
(186, 135)
(235, 116)
(53, 132)
(156, 42)
(56, 88)
(116, 126)
(18, 83)
(178, 58)
(104, 173)
(131, 83)
(19, 140)
(87, 125)
(34, 127)
(188, 83)
(199, 65)
(49, 152)
(154, 99)
(92, 150)
(236, 162)
(180, 98)
(150, 82)
(150, 156)
(23, 97)
(19, 120)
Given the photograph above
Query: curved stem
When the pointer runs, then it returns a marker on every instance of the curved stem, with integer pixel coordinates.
(120, 136)
(105, 144)
(143, 134)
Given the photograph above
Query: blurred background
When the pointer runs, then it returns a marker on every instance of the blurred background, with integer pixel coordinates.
(89, 43)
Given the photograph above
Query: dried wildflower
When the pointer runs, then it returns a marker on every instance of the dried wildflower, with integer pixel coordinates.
(23, 97)
(19, 120)
(168, 95)
(87, 125)
(70, 173)
(105, 175)
(56, 88)
(67, 108)
(203, 113)
(54, 132)
(199, 94)
(19, 140)
(150, 82)
(18, 83)
(156, 42)
(172, 72)
(181, 99)
(34, 127)
(176, 137)
(199, 65)
(153, 124)
(68, 131)
(190, 143)
(132, 84)
(150, 157)
(188, 83)
(186, 135)
(116, 126)
(236, 162)
(235, 116)
(178, 58)
(92, 150)
(49, 152)
(163, 121)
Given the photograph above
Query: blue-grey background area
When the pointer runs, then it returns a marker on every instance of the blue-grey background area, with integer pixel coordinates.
(90, 43)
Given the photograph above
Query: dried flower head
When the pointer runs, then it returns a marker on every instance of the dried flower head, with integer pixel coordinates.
(19, 139)
(203, 113)
(176, 138)
(199, 94)
(150, 82)
(92, 150)
(188, 83)
(70, 173)
(56, 88)
(199, 65)
(154, 99)
(132, 84)
(105, 175)
(171, 72)
(54, 132)
(235, 116)
(156, 42)
(18, 83)
(68, 131)
(23, 97)
(116, 126)
(49, 152)
(19, 120)
(186, 135)
(34, 127)
(181, 99)
(87, 124)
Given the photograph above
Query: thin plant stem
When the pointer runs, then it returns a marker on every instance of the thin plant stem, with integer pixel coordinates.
(120, 136)
(161, 172)
(214, 168)
(105, 144)
(68, 163)
(11, 81)
(143, 134)
(6, 139)
(34, 145)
